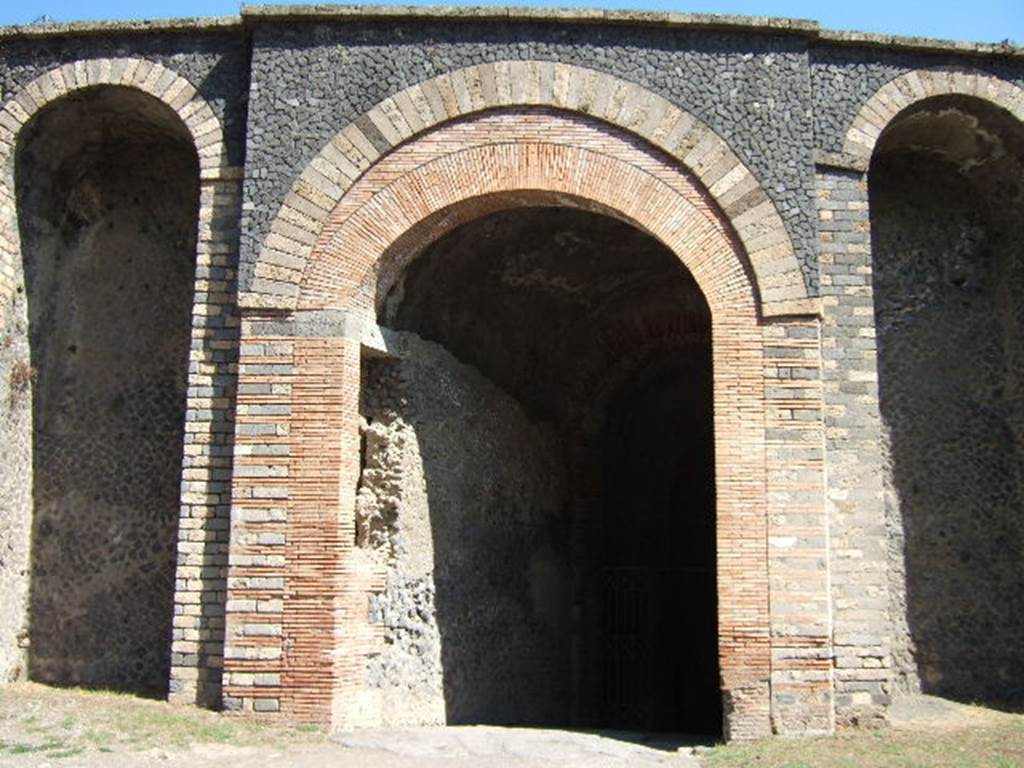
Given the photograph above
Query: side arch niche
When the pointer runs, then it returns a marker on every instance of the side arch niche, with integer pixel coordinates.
(109, 268)
(108, 175)
(946, 187)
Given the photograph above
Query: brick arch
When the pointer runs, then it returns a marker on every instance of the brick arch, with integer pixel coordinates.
(451, 174)
(504, 158)
(356, 147)
(141, 74)
(907, 89)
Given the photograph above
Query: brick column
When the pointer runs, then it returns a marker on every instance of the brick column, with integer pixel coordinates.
(797, 530)
(321, 533)
(197, 645)
(298, 630)
(743, 629)
(858, 559)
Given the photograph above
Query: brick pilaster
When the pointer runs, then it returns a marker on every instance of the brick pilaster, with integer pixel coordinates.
(256, 583)
(197, 646)
(802, 701)
(854, 494)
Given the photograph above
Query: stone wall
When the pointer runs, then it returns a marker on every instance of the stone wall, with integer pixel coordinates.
(16, 375)
(741, 128)
(462, 496)
(308, 80)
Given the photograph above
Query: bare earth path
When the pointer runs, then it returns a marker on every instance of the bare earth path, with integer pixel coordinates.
(484, 748)
(44, 727)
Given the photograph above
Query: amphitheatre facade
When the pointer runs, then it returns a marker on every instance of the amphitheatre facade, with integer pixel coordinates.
(389, 366)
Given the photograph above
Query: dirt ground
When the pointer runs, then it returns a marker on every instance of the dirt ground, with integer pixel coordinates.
(43, 727)
(490, 751)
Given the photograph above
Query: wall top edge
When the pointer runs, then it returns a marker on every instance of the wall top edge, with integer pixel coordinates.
(774, 24)
(122, 26)
(262, 14)
(521, 13)
(878, 40)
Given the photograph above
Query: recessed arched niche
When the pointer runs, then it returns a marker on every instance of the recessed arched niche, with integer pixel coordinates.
(946, 186)
(107, 183)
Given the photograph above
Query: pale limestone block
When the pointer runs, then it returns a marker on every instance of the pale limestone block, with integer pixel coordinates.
(668, 122)
(561, 85)
(475, 88)
(409, 111)
(305, 207)
(461, 90)
(519, 75)
(446, 89)
(531, 91)
(149, 84)
(126, 74)
(383, 124)
(655, 108)
(352, 133)
(294, 232)
(332, 154)
(422, 106)
(433, 96)
(314, 197)
(390, 109)
(727, 164)
(503, 82)
(546, 82)
(174, 90)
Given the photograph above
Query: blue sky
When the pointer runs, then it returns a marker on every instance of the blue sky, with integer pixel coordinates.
(982, 20)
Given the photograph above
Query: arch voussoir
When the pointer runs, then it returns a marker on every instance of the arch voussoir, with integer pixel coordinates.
(503, 152)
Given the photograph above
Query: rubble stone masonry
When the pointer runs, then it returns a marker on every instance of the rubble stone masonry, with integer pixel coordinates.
(251, 458)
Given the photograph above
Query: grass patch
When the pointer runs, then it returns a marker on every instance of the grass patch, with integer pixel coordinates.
(997, 744)
(46, 746)
(62, 723)
(66, 753)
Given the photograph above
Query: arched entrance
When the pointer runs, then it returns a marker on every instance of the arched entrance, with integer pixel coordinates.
(537, 479)
(453, 175)
(375, 238)
(450, 152)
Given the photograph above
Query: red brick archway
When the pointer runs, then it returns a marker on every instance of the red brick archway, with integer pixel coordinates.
(297, 629)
